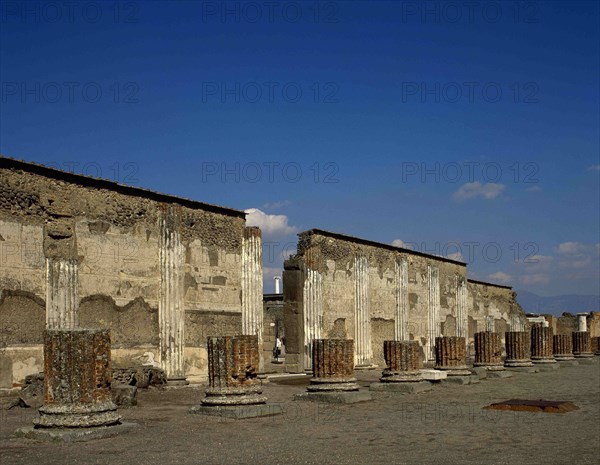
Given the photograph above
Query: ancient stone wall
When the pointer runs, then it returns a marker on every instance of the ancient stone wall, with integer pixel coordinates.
(337, 286)
(492, 308)
(119, 242)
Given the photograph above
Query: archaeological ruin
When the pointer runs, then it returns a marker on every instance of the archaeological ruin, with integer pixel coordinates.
(170, 276)
(161, 272)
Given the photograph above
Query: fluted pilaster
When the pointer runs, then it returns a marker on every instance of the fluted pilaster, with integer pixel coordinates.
(362, 319)
(171, 312)
(401, 292)
(433, 311)
(252, 283)
(62, 293)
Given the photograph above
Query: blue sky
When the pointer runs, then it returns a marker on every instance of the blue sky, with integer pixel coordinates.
(449, 127)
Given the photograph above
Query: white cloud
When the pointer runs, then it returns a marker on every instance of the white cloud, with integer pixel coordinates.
(594, 168)
(576, 255)
(500, 277)
(472, 190)
(400, 243)
(569, 247)
(535, 188)
(458, 256)
(537, 278)
(276, 205)
(270, 225)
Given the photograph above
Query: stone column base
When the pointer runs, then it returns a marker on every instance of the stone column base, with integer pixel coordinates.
(405, 388)
(543, 360)
(332, 384)
(333, 397)
(401, 377)
(455, 371)
(562, 358)
(74, 434)
(489, 367)
(234, 396)
(77, 415)
(517, 363)
(238, 412)
(173, 382)
(583, 354)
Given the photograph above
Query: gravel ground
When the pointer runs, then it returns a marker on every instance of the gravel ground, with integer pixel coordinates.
(442, 426)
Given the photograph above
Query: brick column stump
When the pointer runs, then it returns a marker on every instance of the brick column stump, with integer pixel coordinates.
(77, 398)
(234, 390)
(488, 354)
(518, 351)
(563, 347)
(451, 357)
(582, 344)
(542, 341)
(333, 373)
(404, 362)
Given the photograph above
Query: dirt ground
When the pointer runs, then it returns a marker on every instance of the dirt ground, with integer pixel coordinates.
(442, 426)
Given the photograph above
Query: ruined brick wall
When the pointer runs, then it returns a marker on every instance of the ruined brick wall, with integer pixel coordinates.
(113, 232)
(492, 305)
(334, 258)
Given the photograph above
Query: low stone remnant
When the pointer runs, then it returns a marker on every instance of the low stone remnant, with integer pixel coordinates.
(124, 395)
(541, 345)
(404, 363)
(582, 344)
(234, 390)
(77, 381)
(563, 347)
(518, 351)
(140, 376)
(32, 394)
(523, 405)
(333, 373)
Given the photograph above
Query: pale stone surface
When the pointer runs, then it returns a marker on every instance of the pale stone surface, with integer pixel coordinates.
(171, 311)
(407, 388)
(74, 434)
(433, 375)
(333, 257)
(480, 372)
(462, 380)
(5, 371)
(239, 412)
(524, 369)
(499, 374)
(349, 397)
(362, 317)
(252, 284)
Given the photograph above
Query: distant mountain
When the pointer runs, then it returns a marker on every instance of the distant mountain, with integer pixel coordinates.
(556, 305)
